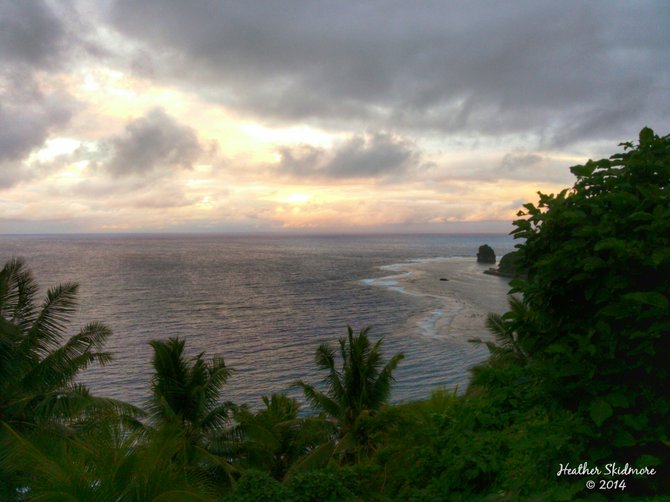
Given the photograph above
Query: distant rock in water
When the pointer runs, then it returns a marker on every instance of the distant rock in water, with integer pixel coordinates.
(486, 254)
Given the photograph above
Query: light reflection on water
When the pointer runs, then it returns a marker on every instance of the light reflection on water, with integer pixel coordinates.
(265, 303)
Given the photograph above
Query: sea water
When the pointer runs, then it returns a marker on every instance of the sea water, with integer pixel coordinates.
(266, 302)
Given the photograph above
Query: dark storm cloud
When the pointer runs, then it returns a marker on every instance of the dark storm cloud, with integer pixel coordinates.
(27, 115)
(32, 40)
(30, 34)
(155, 141)
(592, 68)
(361, 156)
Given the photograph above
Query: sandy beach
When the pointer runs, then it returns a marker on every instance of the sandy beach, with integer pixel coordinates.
(455, 308)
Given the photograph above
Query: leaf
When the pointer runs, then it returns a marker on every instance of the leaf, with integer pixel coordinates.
(646, 136)
(617, 399)
(635, 421)
(660, 255)
(593, 263)
(609, 243)
(521, 225)
(649, 298)
(583, 171)
(640, 216)
(532, 210)
(600, 411)
(624, 438)
(647, 461)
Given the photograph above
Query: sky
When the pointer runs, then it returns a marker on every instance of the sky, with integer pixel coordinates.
(314, 116)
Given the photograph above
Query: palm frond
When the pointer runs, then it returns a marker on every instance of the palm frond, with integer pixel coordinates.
(315, 458)
(17, 293)
(48, 328)
(171, 377)
(64, 402)
(186, 396)
(360, 388)
(381, 387)
(62, 365)
(216, 418)
(320, 401)
(11, 366)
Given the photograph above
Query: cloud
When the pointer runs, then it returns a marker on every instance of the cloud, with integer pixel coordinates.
(528, 166)
(535, 67)
(513, 161)
(12, 173)
(28, 115)
(153, 142)
(360, 156)
(30, 34)
(34, 43)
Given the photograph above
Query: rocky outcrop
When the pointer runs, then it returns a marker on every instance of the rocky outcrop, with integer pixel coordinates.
(486, 254)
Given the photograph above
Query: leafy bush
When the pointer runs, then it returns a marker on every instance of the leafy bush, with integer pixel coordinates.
(509, 264)
(324, 485)
(257, 486)
(598, 262)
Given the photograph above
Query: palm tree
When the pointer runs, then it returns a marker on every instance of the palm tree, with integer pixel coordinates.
(186, 403)
(107, 463)
(275, 438)
(355, 392)
(108, 460)
(37, 367)
(510, 332)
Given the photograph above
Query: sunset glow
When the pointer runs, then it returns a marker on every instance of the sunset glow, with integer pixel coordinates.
(106, 125)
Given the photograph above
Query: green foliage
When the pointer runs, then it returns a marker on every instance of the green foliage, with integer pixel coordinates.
(513, 333)
(186, 404)
(187, 391)
(509, 264)
(37, 367)
(110, 464)
(355, 392)
(324, 485)
(499, 443)
(274, 439)
(257, 486)
(599, 283)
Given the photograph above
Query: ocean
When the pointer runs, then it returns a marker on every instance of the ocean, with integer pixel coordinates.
(266, 302)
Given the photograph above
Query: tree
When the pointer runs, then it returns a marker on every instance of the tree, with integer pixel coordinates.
(38, 370)
(186, 401)
(275, 438)
(355, 392)
(598, 284)
(109, 462)
(512, 332)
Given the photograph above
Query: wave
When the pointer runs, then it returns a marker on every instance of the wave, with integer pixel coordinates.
(446, 285)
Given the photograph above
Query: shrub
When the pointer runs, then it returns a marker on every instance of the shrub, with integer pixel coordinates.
(598, 262)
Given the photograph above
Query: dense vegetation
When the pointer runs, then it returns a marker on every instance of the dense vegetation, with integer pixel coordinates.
(578, 373)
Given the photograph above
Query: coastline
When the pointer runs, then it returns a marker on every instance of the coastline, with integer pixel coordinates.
(458, 295)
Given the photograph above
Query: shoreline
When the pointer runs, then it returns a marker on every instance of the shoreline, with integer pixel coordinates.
(458, 294)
